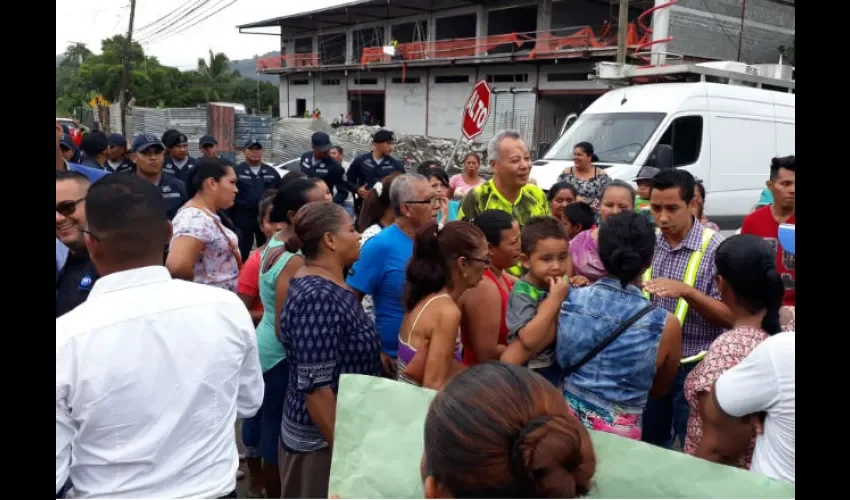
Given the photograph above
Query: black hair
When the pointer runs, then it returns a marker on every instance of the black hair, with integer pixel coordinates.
(94, 143)
(71, 175)
(558, 187)
(425, 166)
(492, 223)
(338, 148)
(434, 253)
(128, 215)
(472, 153)
(581, 214)
(311, 223)
(626, 245)
(375, 205)
(291, 176)
(439, 174)
(588, 150)
(290, 198)
(786, 162)
(748, 264)
(699, 187)
(206, 168)
(617, 183)
(541, 228)
(266, 201)
(669, 178)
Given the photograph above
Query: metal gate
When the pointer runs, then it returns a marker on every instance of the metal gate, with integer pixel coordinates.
(511, 109)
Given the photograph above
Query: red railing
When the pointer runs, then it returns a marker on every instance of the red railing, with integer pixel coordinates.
(646, 39)
(298, 60)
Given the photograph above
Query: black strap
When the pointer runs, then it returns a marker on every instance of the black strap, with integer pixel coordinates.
(602, 345)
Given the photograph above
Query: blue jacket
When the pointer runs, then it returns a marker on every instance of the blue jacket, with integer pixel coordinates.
(169, 167)
(93, 174)
(251, 188)
(330, 171)
(366, 170)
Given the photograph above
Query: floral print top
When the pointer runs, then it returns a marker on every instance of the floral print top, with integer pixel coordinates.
(726, 352)
(589, 189)
(216, 264)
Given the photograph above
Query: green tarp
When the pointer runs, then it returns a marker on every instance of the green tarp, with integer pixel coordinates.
(378, 447)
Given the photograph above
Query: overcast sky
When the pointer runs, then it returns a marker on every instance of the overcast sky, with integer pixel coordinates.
(90, 21)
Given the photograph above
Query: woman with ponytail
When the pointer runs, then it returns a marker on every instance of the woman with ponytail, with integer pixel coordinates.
(326, 333)
(502, 431)
(752, 288)
(445, 263)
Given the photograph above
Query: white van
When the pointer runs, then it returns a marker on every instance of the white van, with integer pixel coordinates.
(723, 134)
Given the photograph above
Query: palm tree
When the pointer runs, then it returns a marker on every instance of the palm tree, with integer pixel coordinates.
(216, 76)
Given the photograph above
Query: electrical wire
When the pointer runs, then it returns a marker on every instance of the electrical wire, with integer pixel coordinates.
(189, 23)
(170, 18)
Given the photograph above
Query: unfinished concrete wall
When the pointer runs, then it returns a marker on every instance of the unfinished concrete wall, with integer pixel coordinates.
(447, 94)
(300, 87)
(283, 94)
(330, 94)
(406, 101)
(459, 26)
(711, 29)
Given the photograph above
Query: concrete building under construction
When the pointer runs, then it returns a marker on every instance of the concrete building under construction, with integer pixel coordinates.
(535, 54)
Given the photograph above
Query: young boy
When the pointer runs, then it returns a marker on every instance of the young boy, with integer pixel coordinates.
(579, 216)
(644, 190)
(535, 300)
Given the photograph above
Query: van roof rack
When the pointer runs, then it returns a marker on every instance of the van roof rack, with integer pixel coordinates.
(768, 76)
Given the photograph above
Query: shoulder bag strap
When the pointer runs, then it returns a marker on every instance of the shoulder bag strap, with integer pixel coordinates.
(602, 345)
(233, 248)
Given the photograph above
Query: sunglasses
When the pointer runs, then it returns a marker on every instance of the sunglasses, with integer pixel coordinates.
(485, 260)
(67, 207)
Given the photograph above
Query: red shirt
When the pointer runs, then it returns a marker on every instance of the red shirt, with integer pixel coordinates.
(249, 279)
(469, 358)
(761, 223)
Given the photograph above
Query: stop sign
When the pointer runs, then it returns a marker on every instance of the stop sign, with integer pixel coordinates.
(476, 111)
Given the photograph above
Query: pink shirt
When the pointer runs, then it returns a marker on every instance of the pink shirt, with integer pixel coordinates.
(461, 187)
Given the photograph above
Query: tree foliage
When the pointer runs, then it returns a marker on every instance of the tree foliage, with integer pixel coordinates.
(82, 74)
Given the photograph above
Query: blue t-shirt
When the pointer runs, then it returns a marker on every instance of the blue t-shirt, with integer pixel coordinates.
(766, 198)
(93, 174)
(380, 272)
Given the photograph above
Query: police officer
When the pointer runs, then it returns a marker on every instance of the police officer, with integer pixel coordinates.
(149, 156)
(209, 149)
(116, 160)
(319, 164)
(253, 178)
(94, 146)
(178, 162)
(70, 151)
(369, 168)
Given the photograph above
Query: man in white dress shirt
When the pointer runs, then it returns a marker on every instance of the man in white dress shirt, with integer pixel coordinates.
(151, 372)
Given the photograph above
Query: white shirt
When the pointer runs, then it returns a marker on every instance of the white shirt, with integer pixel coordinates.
(151, 373)
(765, 381)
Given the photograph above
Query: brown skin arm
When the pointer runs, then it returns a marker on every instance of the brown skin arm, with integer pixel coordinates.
(358, 294)
(439, 366)
(321, 405)
(249, 302)
(569, 266)
(667, 360)
(713, 310)
(282, 287)
(536, 335)
(182, 257)
(724, 438)
(478, 305)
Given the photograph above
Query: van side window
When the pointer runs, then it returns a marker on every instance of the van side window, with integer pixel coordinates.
(685, 136)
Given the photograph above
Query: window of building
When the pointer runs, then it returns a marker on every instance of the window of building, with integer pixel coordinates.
(299, 82)
(517, 78)
(407, 80)
(331, 81)
(365, 81)
(566, 77)
(451, 79)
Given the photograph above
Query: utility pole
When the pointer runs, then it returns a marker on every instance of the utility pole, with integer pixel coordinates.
(622, 31)
(125, 74)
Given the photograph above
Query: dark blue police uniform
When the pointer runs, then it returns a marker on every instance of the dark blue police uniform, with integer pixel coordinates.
(75, 281)
(246, 209)
(173, 192)
(366, 170)
(330, 171)
(181, 173)
(125, 166)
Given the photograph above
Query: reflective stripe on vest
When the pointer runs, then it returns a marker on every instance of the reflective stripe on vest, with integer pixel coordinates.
(690, 276)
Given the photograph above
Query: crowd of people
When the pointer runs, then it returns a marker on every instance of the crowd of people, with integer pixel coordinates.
(195, 292)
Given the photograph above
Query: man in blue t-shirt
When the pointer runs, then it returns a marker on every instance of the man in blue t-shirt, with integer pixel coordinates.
(380, 272)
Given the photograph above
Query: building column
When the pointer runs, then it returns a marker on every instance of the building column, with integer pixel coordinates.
(290, 53)
(349, 46)
(544, 25)
(432, 35)
(480, 29)
(316, 48)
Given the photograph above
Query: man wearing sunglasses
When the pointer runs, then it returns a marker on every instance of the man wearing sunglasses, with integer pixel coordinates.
(78, 274)
(149, 156)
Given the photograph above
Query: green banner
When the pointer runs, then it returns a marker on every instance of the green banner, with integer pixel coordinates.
(378, 448)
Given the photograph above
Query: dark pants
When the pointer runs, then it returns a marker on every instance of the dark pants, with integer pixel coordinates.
(249, 231)
(232, 494)
(666, 417)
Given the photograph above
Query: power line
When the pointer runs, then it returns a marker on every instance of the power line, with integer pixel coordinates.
(186, 22)
(171, 16)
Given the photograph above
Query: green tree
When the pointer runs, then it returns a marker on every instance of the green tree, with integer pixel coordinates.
(217, 78)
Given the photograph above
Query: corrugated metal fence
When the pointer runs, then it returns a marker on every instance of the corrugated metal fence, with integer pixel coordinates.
(291, 138)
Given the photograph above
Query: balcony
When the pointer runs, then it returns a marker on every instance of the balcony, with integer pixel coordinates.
(559, 43)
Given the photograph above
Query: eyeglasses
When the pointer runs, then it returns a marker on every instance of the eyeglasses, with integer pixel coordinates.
(485, 260)
(432, 201)
(67, 207)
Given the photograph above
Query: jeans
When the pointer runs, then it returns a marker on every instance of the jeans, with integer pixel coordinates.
(666, 417)
(251, 435)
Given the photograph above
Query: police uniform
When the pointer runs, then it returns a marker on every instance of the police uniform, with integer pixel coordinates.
(326, 169)
(180, 172)
(125, 166)
(74, 283)
(245, 210)
(365, 169)
(173, 192)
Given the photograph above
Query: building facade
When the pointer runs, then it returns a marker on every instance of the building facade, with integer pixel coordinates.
(535, 55)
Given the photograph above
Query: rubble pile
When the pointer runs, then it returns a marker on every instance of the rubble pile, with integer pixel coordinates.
(415, 149)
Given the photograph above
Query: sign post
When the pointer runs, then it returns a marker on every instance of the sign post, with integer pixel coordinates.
(476, 111)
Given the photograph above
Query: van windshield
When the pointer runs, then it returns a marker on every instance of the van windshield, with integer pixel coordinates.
(616, 137)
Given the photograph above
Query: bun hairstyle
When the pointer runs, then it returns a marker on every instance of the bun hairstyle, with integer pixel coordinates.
(748, 265)
(502, 431)
(311, 223)
(376, 203)
(617, 183)
(626, 245)
(558, 187)
(265, 204)
(587, 148)
(473, 155)
(206, 168)
(434, 251)
(439, 174)
(425, 166)
(492, 223)
(290, 198)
